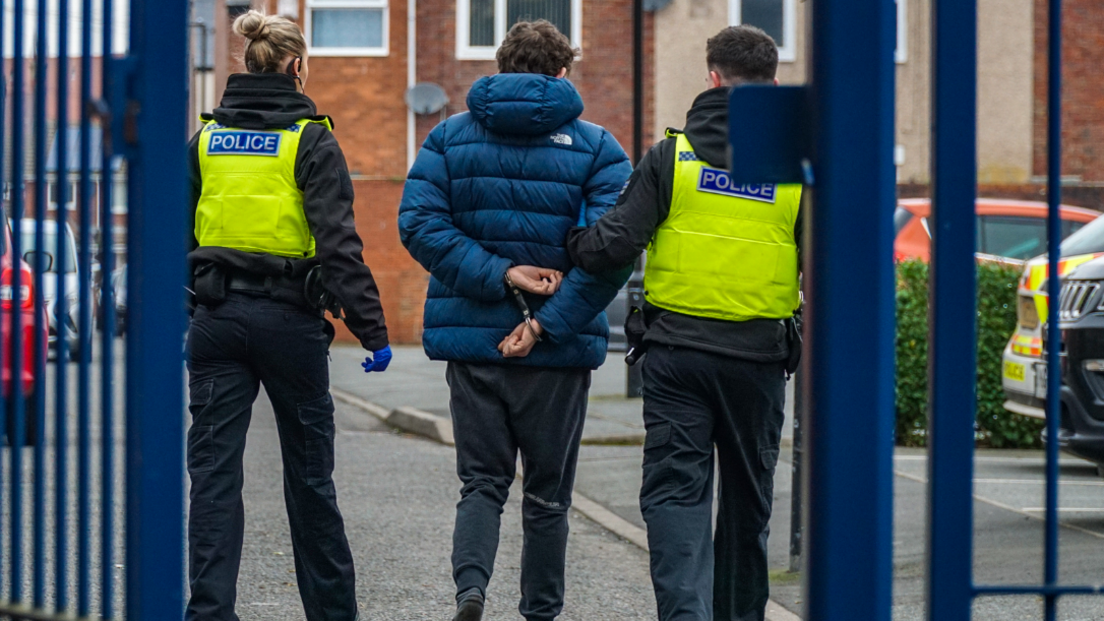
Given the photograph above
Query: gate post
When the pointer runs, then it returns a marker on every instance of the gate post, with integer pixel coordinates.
(850, 280)
(952, 353)
(155, 130)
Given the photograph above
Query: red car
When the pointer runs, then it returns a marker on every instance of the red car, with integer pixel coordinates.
(1005, 228)
(22, 302)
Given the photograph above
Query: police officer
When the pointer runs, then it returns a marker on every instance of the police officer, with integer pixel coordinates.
(721, 289)
(274, 242)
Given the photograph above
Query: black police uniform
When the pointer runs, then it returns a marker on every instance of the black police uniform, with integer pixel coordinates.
(254, 326)
(706, 383)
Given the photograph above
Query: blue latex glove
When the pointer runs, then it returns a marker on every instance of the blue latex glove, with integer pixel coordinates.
(378, 361)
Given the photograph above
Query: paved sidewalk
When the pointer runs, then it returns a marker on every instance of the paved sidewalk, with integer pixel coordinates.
(398, 495)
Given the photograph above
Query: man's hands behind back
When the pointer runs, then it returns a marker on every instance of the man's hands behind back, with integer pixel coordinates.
(535, 280)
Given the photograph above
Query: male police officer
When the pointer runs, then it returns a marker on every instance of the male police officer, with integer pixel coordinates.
(721, 286)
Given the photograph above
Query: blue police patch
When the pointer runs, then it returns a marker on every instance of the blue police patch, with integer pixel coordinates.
(293, 129)
(717, 181)
(213, 126)
(244, 143)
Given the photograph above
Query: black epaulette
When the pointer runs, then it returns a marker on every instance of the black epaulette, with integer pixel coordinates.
(672, 132)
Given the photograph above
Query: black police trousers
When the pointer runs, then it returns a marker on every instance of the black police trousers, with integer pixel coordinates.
(232, 350)
(694, 401)
(498, 412)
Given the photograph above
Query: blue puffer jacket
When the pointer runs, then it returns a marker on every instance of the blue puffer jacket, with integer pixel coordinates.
(499, 186)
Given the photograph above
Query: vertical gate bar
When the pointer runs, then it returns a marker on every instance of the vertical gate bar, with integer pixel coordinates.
(952, 352)
(155, 395)
(1054, 335)
(15, 438)
(84, 418)
(107, 373)
(38, 540)
(850, 379)
(61, 426)
(7, 402)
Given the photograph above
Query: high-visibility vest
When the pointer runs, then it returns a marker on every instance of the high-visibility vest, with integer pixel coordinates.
(250, 199)
(726, 251)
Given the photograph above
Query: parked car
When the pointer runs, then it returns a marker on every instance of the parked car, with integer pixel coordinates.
(50, 278)
(1005, 228)
(22, 302)
(1024, 386)
(1081, 319)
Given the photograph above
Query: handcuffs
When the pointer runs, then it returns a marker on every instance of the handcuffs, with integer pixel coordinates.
(525, 312)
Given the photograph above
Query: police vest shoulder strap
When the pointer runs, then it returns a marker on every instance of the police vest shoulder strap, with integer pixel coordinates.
(672, 132)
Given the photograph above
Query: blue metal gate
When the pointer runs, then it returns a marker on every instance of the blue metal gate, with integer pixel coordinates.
(836, 135)
(93, 123)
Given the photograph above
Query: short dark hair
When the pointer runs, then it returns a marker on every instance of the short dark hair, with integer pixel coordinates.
(742, 54)
(535, 47)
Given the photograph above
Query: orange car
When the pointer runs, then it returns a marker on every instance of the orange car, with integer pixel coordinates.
(1005, 228)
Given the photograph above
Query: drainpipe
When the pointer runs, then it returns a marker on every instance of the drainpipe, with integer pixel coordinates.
(411, 76)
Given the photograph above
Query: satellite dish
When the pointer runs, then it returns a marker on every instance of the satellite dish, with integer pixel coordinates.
(426, 98)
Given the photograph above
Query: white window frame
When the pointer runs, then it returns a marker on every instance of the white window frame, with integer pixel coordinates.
(901, 53)
(377, 52)
(466, 51)
(786, 53)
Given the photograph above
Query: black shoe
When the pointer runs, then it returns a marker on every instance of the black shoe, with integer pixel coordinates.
(469, 606)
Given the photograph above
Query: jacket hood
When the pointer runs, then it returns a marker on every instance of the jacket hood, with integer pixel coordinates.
(263, 101)
(707, 126)
(524, 103)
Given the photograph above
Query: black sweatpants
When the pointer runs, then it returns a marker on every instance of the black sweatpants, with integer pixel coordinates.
(694, 401)
(232, 350)
(498, 412)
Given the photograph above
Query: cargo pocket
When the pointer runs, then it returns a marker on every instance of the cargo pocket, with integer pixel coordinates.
(201, 441)
(658, 472)
(768, 457)
(316, 416)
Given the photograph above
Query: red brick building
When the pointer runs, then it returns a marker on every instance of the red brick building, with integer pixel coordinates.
(360, 69)
(1082, 96)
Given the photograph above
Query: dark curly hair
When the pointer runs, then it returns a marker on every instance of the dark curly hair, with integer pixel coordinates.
(535, 47)
(742, 54)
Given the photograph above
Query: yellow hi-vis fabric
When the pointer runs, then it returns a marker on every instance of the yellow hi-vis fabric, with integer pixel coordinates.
(725, 251)
(250, 199)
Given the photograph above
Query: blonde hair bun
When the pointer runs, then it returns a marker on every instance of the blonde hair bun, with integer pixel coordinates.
(273, 41)
(252, 25)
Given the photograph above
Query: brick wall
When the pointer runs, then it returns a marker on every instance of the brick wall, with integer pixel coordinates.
(365, 98)
(402, 282)
(1083, 90)
(603, 76)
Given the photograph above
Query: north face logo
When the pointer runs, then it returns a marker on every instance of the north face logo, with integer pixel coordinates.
(563, 139)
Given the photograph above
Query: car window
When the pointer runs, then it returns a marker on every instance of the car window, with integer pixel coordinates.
(1013, 237)
(901, 217)
(4, 240)
(50, 237)
(1089, 239)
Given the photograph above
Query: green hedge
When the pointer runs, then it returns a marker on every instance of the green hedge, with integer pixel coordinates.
(996, 427)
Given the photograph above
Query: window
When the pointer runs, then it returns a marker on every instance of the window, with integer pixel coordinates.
(776, 17)
(481, 25)
(1012, 236)
(901, 54)
(347, 27)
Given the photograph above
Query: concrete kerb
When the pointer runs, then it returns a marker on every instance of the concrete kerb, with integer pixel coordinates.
(415, 421)
(408, 419)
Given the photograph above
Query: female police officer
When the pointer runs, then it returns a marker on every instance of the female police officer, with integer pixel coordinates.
(272, 201)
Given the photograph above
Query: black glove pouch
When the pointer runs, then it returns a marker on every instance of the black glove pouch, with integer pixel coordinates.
(210, 284)
(635, 328)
